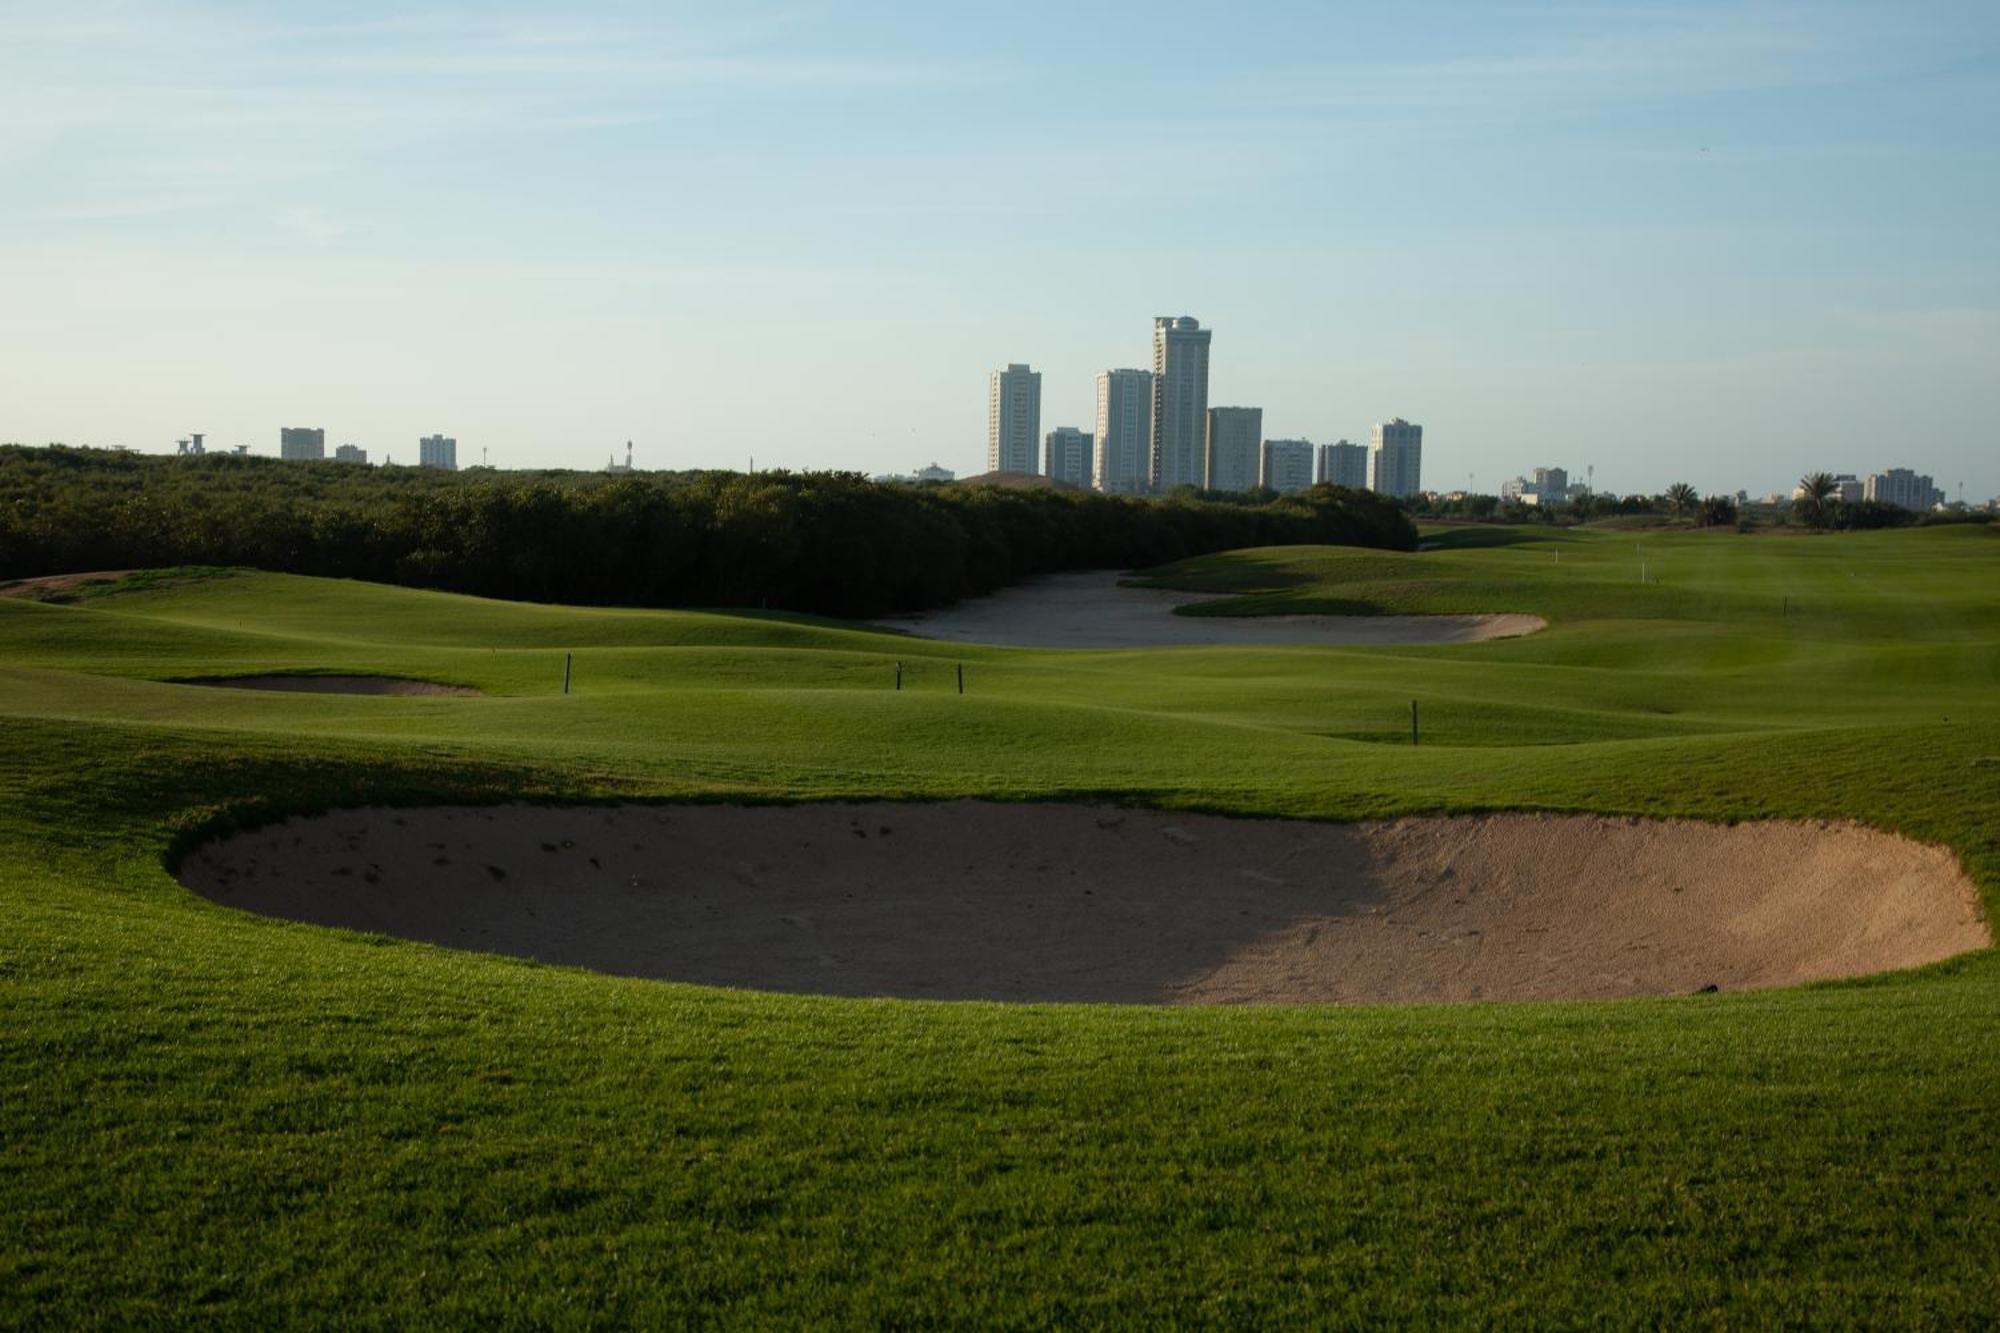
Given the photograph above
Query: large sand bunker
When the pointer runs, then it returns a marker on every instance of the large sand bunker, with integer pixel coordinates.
(1093, 610)
(977, 900)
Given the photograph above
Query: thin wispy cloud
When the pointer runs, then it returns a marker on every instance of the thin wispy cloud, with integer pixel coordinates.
(1615, 60)
(106, 102)
(1455, 210)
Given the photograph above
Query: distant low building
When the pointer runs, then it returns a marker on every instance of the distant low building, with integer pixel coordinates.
(1343, 464)
(1547, 486)
(616, 468)
(1903, 488)
(1286, 466)
(302, 444)
(1066, 455)
(348, 453)
(438, 451)
(931, 473)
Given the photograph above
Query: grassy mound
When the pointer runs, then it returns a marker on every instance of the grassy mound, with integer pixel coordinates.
(209, 1113)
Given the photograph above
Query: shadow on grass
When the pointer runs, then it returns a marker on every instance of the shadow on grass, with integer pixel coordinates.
(1474, 537)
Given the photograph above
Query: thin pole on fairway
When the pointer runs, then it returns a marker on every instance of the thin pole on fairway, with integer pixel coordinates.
(566, 661)
(1413, 721)
(961, 678)
(899, 675)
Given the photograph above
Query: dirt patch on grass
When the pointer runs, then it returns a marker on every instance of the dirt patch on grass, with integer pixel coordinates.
(979, 900)
(1093, 610)
(328, 684)
(61, 587)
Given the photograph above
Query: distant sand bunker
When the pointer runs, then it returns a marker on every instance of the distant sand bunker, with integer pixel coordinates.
(329, 684)
(974, 900)
(1093, 609)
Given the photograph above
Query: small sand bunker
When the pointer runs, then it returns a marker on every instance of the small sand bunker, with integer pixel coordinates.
(329, 684)
(977, 900)
(1093, 610)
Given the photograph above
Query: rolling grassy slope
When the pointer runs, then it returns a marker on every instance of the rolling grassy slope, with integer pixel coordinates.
(209, 1114)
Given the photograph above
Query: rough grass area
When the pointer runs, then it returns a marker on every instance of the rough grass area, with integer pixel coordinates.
(208, 1115)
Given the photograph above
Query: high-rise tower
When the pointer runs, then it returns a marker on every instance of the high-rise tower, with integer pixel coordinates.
(1066, 455)
(1233, 433)
(439, 451)
(1396, 460)
(1124, 431)
(1014, 420)
(1287, 466)
(1180, 403)
(1344, 464)
(301, 443)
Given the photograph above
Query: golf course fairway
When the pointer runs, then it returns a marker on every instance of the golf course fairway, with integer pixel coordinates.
(215, 1115)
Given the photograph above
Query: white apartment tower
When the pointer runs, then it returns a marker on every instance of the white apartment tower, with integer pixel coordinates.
(1066, 455)
(1124, 431)
(1286, 466)
(1013, 419)
(439, 451)
(1180, 403)
(1343, 464)
(1903, 488)
(1396, 458)
(1232, 461)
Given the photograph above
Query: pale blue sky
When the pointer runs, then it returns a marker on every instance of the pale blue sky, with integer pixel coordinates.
(1718, 243)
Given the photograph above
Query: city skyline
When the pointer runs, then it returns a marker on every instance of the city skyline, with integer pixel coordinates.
(1750, 238)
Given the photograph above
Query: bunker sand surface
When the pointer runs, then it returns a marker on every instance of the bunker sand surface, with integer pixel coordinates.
(974, 900)
(1092, 610)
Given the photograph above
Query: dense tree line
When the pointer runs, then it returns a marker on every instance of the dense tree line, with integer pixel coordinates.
(831, 543)
(1581, 507)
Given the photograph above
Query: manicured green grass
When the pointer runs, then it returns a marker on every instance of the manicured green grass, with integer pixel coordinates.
(207, 1115)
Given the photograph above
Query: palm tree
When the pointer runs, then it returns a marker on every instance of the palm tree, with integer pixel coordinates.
(1682, 499)
(1717, 510)
(1814, 498)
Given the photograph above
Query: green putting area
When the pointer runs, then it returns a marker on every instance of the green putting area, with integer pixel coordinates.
(213, 1113)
